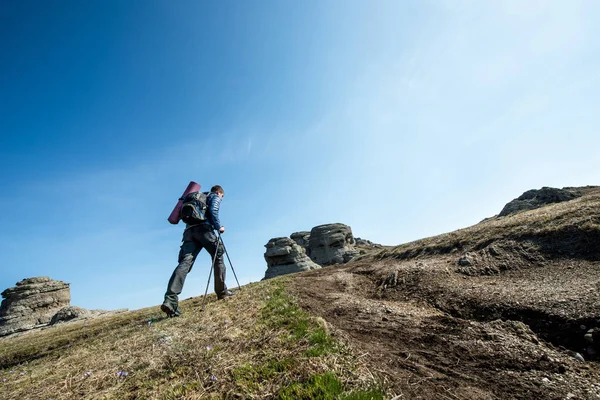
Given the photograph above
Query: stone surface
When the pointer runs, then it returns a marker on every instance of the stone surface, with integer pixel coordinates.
(32, 303)
(592, 337)
(69, 313)
(533, 199)
(37, 303)
(366, 243)
(74, 313)
(466, 260)
(302, 239)
(285, 256)
(331, 244)
(324, 245)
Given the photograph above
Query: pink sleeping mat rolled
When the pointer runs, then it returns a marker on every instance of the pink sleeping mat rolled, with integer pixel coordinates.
(174, 218)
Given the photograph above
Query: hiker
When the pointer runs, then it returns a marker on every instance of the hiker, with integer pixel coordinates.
(195, 238)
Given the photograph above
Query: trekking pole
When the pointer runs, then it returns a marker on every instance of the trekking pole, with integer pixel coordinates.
(209, 274)
(227, 254)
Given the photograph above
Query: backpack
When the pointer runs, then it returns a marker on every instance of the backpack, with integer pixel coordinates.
(193, 210)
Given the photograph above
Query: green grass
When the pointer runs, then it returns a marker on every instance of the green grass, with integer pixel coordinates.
(251, 376)
(326, 387)
(323, 386)
(297, 329)
(281, 312)
(321, 343)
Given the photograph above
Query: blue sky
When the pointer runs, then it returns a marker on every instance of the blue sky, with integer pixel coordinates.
(401, 119)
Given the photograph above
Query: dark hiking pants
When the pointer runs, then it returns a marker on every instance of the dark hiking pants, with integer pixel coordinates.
(195, 239)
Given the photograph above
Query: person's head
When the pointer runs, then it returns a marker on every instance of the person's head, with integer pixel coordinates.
(218, 190)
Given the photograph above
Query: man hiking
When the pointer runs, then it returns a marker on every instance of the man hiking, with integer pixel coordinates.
(195, 238)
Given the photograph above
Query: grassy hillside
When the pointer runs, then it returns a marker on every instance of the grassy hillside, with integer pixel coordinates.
(570, 229)
(500, 310)
(258, 344)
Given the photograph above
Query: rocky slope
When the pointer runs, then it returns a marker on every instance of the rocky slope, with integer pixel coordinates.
(508, 308)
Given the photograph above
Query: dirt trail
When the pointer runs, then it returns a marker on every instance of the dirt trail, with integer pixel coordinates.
(430, 332)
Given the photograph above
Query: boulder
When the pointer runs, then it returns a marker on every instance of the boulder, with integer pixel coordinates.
(332, 244)
(69, 313)
(285, 256)
(74, 313)
(533, 199)
(32, 303)
(324, 245)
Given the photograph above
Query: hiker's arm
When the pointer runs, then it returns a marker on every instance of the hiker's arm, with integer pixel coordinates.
(213, 214)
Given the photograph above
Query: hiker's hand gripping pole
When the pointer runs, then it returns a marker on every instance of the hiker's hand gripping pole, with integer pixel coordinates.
(227, 254)
(212, 265)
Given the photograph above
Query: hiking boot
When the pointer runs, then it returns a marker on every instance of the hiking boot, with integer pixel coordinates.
(226, 294)
(170, 311)
(177, 312)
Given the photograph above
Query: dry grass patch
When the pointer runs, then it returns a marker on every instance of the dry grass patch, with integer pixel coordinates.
(258, 344)
(570, 228)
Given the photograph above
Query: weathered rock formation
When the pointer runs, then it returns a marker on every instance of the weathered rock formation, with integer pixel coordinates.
(332, 244)
(285, 256)
(69, 313)
(36, 303)
(324, 245)
(302, 238)
(534, 198)
(32, 303)
(74, 313)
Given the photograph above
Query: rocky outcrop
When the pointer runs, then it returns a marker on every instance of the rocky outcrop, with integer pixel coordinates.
(324, 245)
(533, 199)
(302, 239)
(332, 244)
(69, 313)
(36, 303)
(74, 313)
(32, 303)
(285, 256)
(367, 244)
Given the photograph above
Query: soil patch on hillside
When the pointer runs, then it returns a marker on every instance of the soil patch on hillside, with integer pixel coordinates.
(428, 330)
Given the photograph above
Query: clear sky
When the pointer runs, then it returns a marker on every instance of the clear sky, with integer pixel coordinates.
(402, 119)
